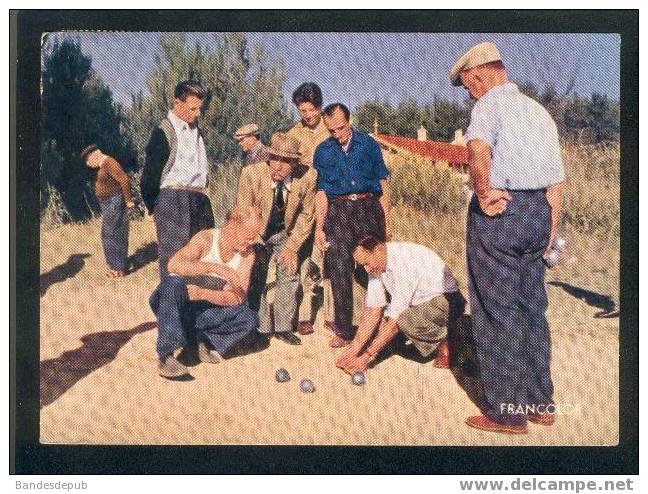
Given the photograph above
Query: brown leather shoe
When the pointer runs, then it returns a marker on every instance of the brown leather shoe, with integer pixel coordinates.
(442, 359)
(304, 327)
(338, 342)
(541, 418)
(484, 423)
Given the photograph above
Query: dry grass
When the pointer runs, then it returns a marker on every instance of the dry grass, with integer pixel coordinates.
(428, 187)
(592, 189)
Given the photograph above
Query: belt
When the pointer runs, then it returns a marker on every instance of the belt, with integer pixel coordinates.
(202, 190)
(353, 197)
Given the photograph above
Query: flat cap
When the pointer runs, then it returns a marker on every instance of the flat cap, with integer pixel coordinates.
(246, 130)
(284, 146)
(476, 56)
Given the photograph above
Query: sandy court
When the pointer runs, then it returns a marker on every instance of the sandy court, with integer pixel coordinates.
(99, 382)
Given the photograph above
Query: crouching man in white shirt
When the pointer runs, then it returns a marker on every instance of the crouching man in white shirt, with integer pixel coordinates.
(424, 300)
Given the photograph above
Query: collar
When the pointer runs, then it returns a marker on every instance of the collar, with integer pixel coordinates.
(507, 87)
(178, 123)
(287, 184)
(390, 258)
(348, 144)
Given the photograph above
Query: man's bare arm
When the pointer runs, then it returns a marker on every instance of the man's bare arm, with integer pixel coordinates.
(554, 195)
(321, 208)
(387, 331)
(187, 261)
(233, 294)
(491, 201)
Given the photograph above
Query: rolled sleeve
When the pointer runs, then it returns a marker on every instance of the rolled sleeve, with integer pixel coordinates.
(400, 302)
(375, 296)
(483, 125)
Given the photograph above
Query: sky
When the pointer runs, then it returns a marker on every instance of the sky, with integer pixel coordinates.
(355, 67)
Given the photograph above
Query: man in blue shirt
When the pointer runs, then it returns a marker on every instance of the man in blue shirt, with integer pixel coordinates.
(517, 173)
(352, 202)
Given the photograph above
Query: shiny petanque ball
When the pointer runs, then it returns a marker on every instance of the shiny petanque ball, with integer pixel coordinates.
(282, 376)
(559, 244)
(307, 386)
(552, 259)
(358, 378)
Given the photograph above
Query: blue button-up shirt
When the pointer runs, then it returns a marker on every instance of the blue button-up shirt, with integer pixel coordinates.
(522, 136)
(357, 171)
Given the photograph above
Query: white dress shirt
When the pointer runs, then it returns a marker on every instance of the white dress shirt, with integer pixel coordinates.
(414, 275)
(190, 167)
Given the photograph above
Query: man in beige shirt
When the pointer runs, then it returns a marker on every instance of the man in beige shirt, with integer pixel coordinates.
(310, 131)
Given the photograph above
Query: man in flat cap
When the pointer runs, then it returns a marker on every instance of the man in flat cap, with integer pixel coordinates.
(174, 179)
(517, 173)
(284, 191)
(250, 142)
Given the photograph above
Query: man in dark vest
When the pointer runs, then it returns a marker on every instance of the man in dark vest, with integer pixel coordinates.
(174, 180)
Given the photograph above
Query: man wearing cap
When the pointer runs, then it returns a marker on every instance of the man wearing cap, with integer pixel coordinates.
(310, 131)
(352, 202)
(284, 191)
(174, 180)
(250, 142)
(517, 173)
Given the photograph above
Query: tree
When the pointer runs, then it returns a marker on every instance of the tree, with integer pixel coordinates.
(242, 88)
(77, 110)
(367, 113)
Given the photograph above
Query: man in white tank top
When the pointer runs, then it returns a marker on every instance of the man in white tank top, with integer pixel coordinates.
(191, 304)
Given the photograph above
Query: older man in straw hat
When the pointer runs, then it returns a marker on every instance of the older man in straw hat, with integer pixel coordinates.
(284, 191)
(250, 142)
(517, 174)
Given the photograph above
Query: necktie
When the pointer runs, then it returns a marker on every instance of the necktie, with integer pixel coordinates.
(279, 197)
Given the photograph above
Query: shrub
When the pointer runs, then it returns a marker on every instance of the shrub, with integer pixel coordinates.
(427, 186)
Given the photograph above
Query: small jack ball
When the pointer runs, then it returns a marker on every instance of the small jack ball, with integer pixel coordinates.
(307, 386)
(282, 376)
(358, 379)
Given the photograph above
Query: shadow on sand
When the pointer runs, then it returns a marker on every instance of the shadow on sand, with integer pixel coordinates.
(62, 272)
(463, 361)
(144, 255)
(59, 374)
(593, 299)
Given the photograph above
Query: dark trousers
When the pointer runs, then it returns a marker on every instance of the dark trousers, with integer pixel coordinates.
(179, 215)
(508, 302)
(346, 223)
(182, 322)
(114, 232)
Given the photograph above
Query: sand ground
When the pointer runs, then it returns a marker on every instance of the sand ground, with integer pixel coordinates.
(99, 383)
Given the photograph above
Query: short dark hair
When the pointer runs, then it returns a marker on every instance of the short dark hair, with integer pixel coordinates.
(369, 243)
(308, 92)
(330, 109)
(189, 88)
(88, 150)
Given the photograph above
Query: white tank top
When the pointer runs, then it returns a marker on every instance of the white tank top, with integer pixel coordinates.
(214, 253)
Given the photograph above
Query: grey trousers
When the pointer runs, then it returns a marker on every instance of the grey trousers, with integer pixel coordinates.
(114, 232)
(427, 324)
(279, 296)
